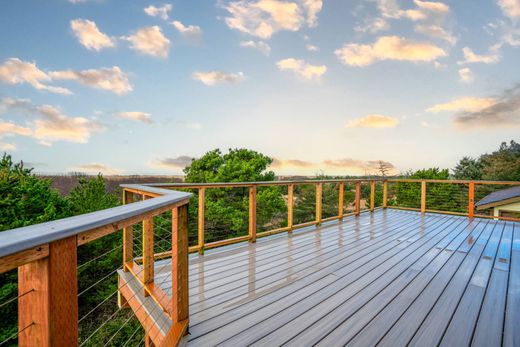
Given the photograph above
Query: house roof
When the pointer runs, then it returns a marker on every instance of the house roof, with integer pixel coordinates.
(500, 197)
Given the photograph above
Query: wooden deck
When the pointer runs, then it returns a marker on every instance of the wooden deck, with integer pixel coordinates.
(392, 278)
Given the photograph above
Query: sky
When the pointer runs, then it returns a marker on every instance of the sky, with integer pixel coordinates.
(321, 86)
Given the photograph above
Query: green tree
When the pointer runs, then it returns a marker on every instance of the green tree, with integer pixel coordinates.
(503, 164)
(226, 209)
(468, 169)
(24, 200)
(91, 195)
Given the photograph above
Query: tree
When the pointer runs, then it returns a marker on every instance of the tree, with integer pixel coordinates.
(91, 195)
(383, 168)
(26, 199)
(468, 169)
(503, 164)
(226, 209)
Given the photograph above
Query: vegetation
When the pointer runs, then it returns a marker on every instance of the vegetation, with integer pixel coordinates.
(501, 165)
(226, 209)
(26, 199)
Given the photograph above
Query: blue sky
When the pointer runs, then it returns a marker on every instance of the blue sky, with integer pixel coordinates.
(141, 87)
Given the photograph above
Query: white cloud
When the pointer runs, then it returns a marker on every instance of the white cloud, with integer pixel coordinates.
(436, 32)
(471, 57)
(15, 71)
(211, 78)
(188, 31)
(8, 147)
(57, 126)
(373, 26)
(312, 8)
(263, 18)
(261, 46)
(111, 79)
(150, 41)
(161, 12)
(503, 113)
(388, 48)
(423, 10)
(466, 75)
(301, 68)
(373, 121)
(136, 116)
(511, 8)
(470, 104)
(11, 129)
(311, 48)
(50, 124)
(95, 168)
(89, 35)
(432, 6)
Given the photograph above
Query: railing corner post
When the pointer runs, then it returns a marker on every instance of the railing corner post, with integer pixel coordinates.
(48, 312)
(180, 291)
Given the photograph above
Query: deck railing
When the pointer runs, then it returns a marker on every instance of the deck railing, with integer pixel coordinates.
(347, 197)
(50, 291)
(166, 221)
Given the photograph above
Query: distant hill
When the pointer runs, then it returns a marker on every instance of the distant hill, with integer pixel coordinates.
(64, 183)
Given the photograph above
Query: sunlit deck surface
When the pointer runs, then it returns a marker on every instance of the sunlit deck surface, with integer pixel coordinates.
(392, 278)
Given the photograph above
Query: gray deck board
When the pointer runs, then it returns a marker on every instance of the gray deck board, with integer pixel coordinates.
(511, 331)
(390, 278)
(462, 324)
(491, 319)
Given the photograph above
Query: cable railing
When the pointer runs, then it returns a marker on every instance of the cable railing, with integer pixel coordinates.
(66, 275)
(304, 203)
(80, 273)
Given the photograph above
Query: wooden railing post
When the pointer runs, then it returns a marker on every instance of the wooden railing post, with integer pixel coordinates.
(423, 196)
(148, 253)
(180, 289)
(252, 214)
(202, 202)
(48, 310)
(385, 194)
(319, 201)
(372, 195)
(341, 200)
(358, 199)
(128, 234)
(471, 199)
(290, 206)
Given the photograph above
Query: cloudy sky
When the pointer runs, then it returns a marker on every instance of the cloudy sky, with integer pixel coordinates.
(129, 87)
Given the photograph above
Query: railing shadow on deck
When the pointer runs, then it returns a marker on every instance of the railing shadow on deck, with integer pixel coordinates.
(155, 223)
